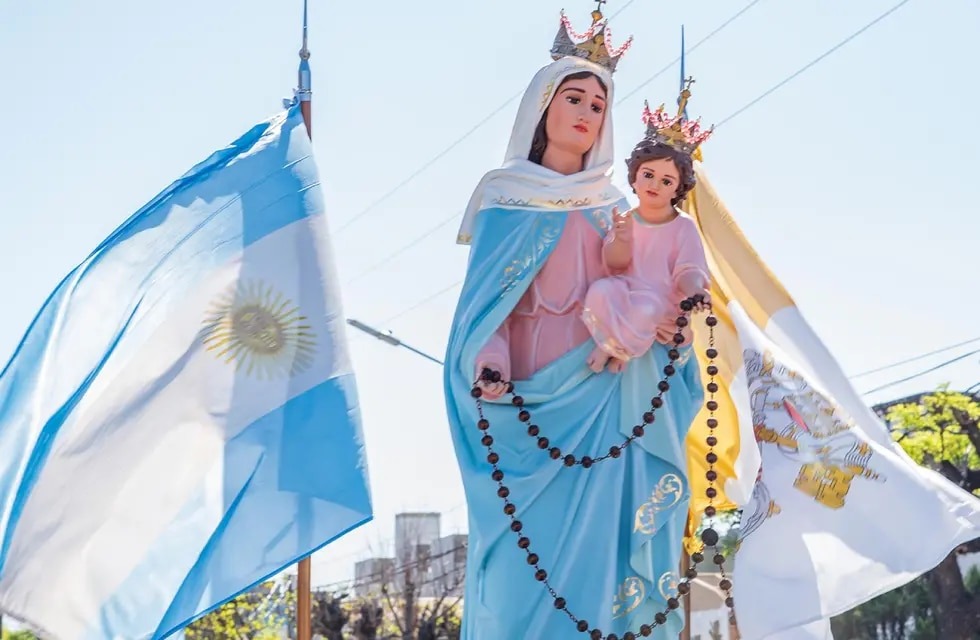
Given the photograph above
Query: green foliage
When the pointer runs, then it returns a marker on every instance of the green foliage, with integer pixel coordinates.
(931, 433)
(21, 634)
(972, 581)
(255, 615)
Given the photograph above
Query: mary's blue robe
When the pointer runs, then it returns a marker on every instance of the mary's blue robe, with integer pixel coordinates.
(610, 536)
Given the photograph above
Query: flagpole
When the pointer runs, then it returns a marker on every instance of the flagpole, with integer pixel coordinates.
(685, 556)
(304, 94)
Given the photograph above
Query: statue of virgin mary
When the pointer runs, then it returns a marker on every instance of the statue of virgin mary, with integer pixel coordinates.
(600, 540)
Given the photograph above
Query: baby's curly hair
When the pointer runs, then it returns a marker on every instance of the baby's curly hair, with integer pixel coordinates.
(648, 150)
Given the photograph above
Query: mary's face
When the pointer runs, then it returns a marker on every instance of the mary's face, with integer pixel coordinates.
(576, 114)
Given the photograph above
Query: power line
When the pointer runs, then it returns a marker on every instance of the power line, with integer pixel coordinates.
(922, 373)
(691, 50)
(914, 358)
(813, 62)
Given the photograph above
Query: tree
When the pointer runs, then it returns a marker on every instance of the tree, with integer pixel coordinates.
(368, 623)
(940, 430)
(329, 615)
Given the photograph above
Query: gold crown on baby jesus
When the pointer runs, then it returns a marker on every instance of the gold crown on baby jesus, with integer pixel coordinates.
(593, 45)
(677, 131)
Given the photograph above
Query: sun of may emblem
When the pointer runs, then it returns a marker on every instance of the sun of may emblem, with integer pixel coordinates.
(259, 331)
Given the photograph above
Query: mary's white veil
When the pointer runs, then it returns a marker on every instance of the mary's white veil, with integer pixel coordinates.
(522, 183)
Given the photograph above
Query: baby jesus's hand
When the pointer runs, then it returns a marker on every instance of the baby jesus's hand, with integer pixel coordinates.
(692, 284)
(598, 360)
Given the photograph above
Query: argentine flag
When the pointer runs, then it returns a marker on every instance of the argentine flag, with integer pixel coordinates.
(181, 420)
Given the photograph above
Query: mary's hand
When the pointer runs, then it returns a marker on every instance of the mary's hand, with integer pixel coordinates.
(493, 389)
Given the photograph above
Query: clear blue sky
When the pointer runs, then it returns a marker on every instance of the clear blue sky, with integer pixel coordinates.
(856, 182)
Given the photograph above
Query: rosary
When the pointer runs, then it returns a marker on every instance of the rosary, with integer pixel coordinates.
(709, 536)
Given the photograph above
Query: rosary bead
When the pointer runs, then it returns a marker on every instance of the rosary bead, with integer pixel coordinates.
(483, 424)
(487, 440)
(523, 542)
(638, 431)
(710, 537)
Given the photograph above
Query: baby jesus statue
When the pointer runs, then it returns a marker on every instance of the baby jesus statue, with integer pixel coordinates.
(653, 251)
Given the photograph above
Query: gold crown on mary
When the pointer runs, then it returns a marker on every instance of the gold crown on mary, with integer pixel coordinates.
(675, 131)
(593, 45)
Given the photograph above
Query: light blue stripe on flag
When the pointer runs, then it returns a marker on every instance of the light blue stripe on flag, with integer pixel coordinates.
(181, 421)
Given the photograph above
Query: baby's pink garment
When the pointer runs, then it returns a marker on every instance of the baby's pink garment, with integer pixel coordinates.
(627, 313)
(547, 321)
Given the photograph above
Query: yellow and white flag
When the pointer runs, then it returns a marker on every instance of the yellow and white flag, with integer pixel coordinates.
(834, 512)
